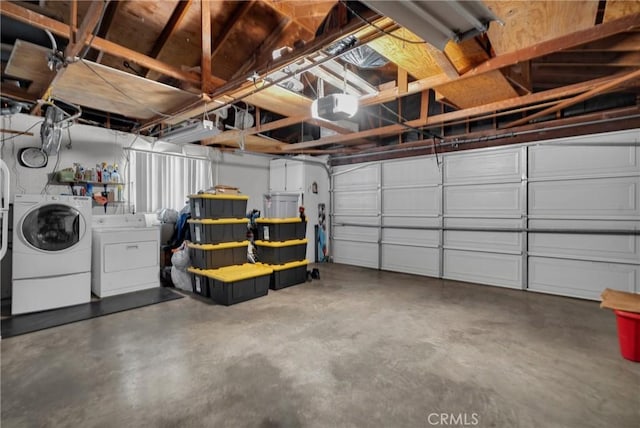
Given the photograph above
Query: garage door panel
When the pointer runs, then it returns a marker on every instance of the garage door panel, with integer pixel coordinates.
(613, 248)
(414, 202)
(355, 253)
(573, 224)
(366, 177)
(482, 167)
(488, 200)
(484, 223)
(354, 233)
(606, 197)
(503, 270)
(561, 162)
(416, 260)
(410, 172)
(354, 203)
(584, 279)
(424, 238)
(484, 241)
(400, 221)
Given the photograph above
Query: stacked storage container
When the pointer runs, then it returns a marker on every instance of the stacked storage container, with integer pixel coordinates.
(282, 247)
(218, 250)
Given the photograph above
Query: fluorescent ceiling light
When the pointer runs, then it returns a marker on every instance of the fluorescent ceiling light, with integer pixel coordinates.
(334, 107)
(196, 131)
(437, 22)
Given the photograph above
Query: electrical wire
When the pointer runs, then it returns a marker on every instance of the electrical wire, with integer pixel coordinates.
(95, 31)
(379, 29)
(425, 134)
(21, 133)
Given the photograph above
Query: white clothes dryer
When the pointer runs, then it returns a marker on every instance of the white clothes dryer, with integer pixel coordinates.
(51, 252)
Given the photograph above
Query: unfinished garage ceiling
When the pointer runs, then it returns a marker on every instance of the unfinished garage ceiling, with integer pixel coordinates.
(495, 72)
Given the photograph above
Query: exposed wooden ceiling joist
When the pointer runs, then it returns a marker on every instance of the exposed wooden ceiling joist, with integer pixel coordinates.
(240, 11)
(205, 37)
(85, 31)
(575, 100)
(566, 41)
(444, 118)
(61, 29)
(176, 18)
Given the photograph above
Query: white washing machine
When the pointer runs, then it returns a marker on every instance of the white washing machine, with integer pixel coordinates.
(126, 254)
(51, 252)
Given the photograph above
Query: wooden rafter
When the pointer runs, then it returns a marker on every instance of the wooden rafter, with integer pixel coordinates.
(174, 22)
(73, 20)
(466, 113)
(109, 15)
(577, 38)
(266, 47)
(575, 100)
(61, 29)
(223, 35)
(205, 60)
(86, 28)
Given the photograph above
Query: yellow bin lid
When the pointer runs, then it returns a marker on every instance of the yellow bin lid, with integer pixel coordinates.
(290, 265)
(279, 220)
(281, 243)
(234, 273)
(212, 196)
(219, 221)
(221, 246)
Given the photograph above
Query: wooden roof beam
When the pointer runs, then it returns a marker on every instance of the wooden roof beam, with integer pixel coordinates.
(85, 31)
(567, 41)
(466, 113)
(240, 11)
(575, 100)
(205, 59)
(61, 29)
(176, 18)
(263, 52)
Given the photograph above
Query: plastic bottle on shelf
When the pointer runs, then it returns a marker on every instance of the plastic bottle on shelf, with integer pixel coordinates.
(98, 173)
(106, 176)
(115, 175)
(119, 193)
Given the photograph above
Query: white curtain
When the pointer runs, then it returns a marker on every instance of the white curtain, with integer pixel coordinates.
(162, 180)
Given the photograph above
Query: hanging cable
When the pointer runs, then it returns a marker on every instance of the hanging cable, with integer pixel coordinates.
(95, 31)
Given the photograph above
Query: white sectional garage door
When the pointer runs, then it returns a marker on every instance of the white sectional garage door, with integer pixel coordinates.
(560, 219)
(593, 193)
(485, 190)
(356, 215)
(411, 216)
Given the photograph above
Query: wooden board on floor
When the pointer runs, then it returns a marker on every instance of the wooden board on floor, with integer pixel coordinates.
(134, 96)
(531, 22)
(29, 62)
(475, 91)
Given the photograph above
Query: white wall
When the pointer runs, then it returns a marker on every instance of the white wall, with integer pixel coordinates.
(91, 145)
(297, 175)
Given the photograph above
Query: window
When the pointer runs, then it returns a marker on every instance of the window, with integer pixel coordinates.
(161, 180)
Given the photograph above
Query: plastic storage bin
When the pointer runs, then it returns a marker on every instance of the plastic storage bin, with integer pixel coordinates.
(278, 253)
(214, 256)
(207, 205)
(232, 284)
(281, 205)
(281, 229)
(209, 231)
(629, 334)
(288, 274)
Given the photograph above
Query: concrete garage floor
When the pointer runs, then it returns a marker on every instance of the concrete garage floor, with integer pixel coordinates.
(358, 348)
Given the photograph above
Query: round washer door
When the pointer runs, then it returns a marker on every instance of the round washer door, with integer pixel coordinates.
(53, 227)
